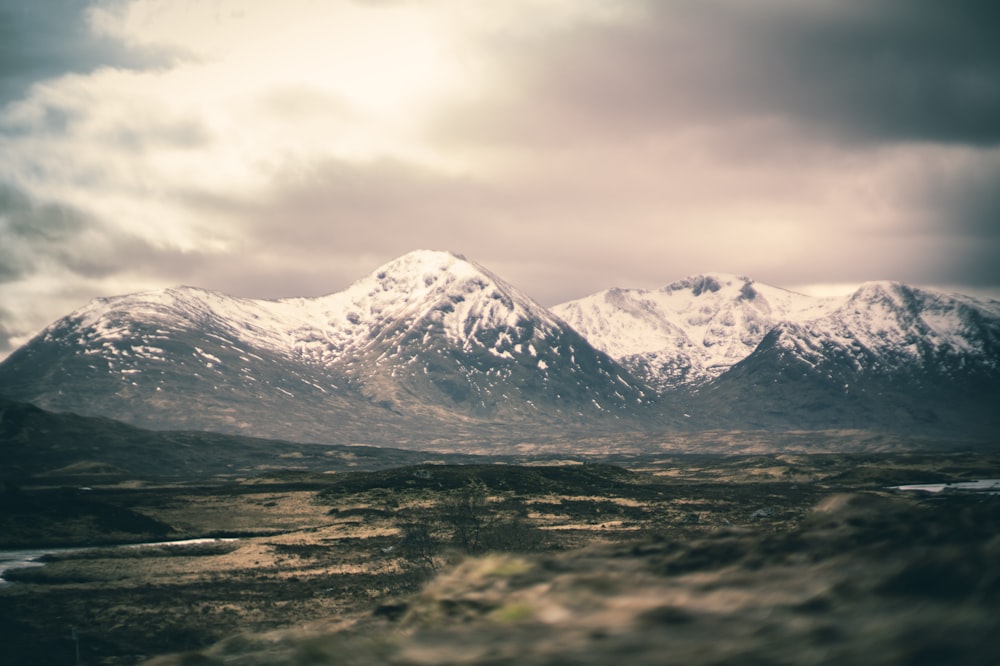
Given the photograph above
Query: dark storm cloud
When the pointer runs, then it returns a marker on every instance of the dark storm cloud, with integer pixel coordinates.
(968, 198)
(39, 236)
(6, 334)
(857, 70)
(784, 95)
(962, 210)
(44, 241)
(888, 69)
(41, 39)
(32, 231)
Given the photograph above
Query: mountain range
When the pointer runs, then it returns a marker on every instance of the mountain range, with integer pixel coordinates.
(433, 348)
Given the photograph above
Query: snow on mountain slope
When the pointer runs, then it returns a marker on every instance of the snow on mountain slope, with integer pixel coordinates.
(689, 331)
(463, 298)
(890, 328)
(891, 357)
(429, 333)
(439, 344)
(434, 323)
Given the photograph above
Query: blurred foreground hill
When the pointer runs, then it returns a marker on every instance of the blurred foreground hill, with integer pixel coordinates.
(865, 578)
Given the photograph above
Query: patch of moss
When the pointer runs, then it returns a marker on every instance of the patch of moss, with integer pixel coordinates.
(513, 612)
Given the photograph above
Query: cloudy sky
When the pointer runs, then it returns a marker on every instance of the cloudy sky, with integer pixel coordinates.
(272, 148)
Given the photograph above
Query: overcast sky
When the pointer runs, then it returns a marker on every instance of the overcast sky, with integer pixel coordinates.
(270, 148)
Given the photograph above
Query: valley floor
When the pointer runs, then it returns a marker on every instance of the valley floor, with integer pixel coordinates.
(766, 559)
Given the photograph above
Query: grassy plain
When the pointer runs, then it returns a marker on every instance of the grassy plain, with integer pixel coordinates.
(776, 558)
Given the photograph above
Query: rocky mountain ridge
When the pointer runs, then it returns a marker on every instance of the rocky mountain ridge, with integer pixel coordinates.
(432, 345)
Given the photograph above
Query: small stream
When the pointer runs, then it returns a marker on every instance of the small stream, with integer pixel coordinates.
(22, 559)
(29, 557)
(986, 486)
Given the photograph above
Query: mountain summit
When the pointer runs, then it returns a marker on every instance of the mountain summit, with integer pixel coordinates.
(689, 332)
(433, 328)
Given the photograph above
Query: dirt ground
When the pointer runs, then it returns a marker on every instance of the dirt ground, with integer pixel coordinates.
(765, 559)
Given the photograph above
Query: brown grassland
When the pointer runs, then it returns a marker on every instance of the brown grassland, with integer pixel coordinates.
(757, 559)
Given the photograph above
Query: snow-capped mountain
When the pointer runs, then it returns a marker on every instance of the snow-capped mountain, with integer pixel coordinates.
(893, 330)
(690, 331)
(891, 357)
(695, 330)
(735, 353)
(433, 327)
(429, 335)
(433, 346)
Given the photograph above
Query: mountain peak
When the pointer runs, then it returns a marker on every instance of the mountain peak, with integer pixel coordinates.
(441, 285)
(687, 332)
(424, 275)
(710, 283)
(876, 290)
(419, 261)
